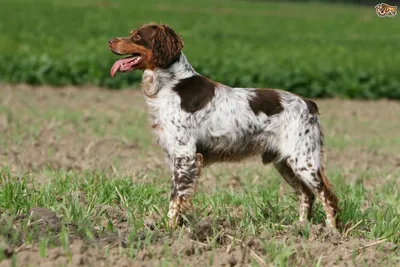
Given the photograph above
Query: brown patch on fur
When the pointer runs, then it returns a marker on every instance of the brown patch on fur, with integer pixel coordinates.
(269, 156)
(195, 92)
(309, 165)
(267, 101)
(312, 107)
(156, 127)
(216, 153)
(167, 46)
(200, 160)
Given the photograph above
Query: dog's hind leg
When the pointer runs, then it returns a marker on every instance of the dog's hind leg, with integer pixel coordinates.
(315, 179)
(301, 148)
(304, 195)
(306, 164)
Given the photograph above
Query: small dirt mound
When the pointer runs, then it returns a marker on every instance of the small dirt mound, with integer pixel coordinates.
(44, 219)
(202, 230)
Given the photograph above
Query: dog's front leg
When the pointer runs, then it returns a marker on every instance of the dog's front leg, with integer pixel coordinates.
(185, 174)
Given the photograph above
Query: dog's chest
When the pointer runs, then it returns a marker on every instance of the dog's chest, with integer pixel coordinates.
(163, 104)
(165, 114)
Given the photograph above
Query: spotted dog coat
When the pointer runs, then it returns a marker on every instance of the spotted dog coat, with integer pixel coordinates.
(199, 122)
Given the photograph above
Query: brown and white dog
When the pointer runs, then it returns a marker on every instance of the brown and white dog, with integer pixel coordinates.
(199, 122)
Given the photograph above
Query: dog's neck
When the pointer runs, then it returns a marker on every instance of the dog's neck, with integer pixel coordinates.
(154, 81)
(178, 70)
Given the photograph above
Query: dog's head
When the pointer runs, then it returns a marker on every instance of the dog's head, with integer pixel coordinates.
(150, 46)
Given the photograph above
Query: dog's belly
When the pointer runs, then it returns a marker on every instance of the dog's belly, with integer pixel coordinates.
(220, 154)
(222, 149)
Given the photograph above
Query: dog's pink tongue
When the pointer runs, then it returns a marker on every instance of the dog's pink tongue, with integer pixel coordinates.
(117, 65)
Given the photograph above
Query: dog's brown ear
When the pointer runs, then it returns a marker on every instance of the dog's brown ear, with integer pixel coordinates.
(167, 46)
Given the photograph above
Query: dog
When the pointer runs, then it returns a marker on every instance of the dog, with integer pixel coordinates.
(198, 122)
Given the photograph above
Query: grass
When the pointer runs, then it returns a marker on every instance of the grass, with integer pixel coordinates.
(120, 206)
(250, 212)
(316, 50)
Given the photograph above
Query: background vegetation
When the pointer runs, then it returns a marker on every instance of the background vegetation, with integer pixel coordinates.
(313, 49)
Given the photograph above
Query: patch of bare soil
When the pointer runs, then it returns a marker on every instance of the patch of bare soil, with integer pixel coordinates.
(72, 152)
(35, 137)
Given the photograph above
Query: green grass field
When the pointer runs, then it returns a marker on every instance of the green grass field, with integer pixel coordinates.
(316, 50)
(82, 182)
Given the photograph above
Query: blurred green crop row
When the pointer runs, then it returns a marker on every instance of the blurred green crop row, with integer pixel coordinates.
(316, 50)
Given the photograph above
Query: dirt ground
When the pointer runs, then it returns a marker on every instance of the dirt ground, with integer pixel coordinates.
(86, 128)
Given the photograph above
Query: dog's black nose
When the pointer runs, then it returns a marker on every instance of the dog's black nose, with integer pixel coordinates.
(111, 41)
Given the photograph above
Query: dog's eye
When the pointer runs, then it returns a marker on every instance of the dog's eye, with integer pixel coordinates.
(136, 37)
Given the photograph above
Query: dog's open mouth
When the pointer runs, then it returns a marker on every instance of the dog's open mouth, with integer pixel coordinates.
(126, 64)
